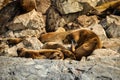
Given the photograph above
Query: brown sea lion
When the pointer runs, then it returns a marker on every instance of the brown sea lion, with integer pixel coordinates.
(86, 41)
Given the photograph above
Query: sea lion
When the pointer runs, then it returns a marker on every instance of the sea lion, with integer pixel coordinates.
(85, 42)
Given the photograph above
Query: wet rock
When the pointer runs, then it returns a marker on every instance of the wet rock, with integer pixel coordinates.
(43, 5)
(24, 26)
(107, 68)
(66, 7)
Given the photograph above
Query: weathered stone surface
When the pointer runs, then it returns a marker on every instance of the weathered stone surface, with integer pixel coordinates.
(67, 6)
(29, 24)
(113, 31)
(32, 43)
(113, 19)
(86, 21)
(107, 68)
(112, 43)
(54, 20)
(91, 2)
(4, 3)
(102, 53)
(106, 22)
(113, 26)
(43, 5)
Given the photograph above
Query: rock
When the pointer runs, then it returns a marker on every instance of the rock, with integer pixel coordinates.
(24, 26)
(54, 20)
(106, 22)
(103, 53)
(112, 43)
(32, 43)
(113, 19)
(7, 14)
(91, 2)
(111, 24)
(29, 43)
(92, 23)
(86, 21)
(11, 51)
(43, 5)
(21, 68)
(66, 7)
(113, 31)
(4, 3)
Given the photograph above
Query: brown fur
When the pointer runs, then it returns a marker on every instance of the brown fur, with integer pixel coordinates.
(53, 36)
(28, 5)
(13, 41)
(86, 41)
(40, 54)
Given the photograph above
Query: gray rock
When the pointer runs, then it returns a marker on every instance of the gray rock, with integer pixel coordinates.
(102, 53)
(31, 24)
(91, 2)
(112, 26)
(54, 20)
(113, 19)
(112, 43)
(67, 6)
(29, 69)
(43, 5)
(32, 43)
(113, 31)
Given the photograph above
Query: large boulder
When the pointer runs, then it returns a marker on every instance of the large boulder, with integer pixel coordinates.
(68, 6)
(113, 31)
(112, 43)
(43, 5)
(102, 53)
(107, 68)
(29, 24)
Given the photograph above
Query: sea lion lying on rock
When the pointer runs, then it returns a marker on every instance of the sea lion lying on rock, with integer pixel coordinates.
(40, 54)
(83, 42)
